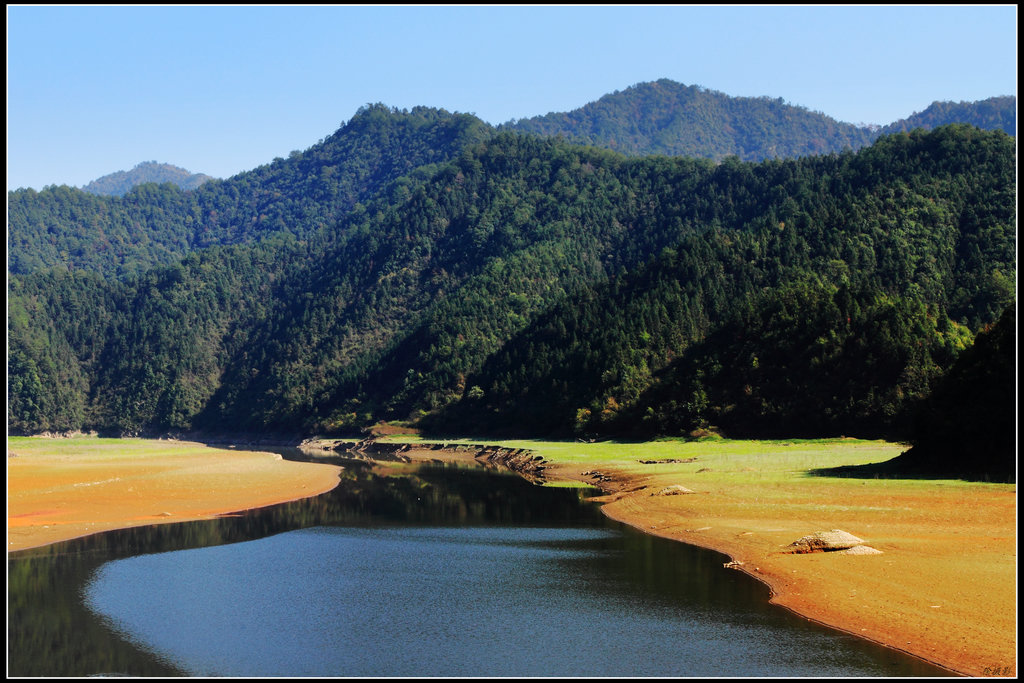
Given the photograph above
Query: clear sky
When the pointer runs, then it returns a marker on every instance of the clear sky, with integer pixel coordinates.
(220, 90)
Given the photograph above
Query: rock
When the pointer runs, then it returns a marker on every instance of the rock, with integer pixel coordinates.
(673, 490)
(824, 541)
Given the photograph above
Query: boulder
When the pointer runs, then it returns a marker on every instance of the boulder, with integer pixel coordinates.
(824, 541)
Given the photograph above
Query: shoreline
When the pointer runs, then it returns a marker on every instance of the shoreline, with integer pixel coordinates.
(884, 619)
(774, 594)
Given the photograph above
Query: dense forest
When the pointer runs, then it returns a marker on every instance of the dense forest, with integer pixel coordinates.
(819, 307)
(424, 266)
(665, 117)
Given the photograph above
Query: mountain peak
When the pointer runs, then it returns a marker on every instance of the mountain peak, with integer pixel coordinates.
(120, 182)
(666, 117)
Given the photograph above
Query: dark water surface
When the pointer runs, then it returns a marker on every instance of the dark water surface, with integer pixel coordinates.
(441, 571)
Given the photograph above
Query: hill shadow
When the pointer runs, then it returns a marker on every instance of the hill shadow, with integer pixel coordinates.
(901, 468)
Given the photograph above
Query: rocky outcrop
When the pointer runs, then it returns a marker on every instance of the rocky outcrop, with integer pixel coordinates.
(519, 460)
(597, 476)
(370, 449)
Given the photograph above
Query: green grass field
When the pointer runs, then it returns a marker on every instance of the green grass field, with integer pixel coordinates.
(97, 447)
(722, 461)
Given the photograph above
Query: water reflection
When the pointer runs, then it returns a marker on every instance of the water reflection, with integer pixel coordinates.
(52, 633)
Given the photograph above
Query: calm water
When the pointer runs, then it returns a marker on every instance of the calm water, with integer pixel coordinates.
(440, 572)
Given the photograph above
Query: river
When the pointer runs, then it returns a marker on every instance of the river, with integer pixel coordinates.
(435, 570)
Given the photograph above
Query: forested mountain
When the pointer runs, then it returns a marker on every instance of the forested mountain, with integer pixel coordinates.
(665, 117)
(159, 224)
(525, 284)
(995, 113)
(120, 182)
(824, 276)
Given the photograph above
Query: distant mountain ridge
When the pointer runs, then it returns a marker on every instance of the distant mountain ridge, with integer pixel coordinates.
(666, 117)
(670, 118)
(994, 113)
(317, 187)
(118, 183)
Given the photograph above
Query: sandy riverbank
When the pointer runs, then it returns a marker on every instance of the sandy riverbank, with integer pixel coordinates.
(942, 589)
(88, 485)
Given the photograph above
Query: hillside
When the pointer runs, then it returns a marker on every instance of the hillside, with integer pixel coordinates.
(298, 196)
(120, 182)
(528, 284)
(818, 306)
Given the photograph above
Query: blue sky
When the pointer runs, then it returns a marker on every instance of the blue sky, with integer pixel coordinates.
(220, 90)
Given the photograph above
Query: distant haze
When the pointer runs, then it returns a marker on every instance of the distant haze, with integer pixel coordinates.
(120, 182)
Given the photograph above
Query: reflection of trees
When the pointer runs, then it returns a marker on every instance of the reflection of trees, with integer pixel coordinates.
(51, 633)
(474, 495)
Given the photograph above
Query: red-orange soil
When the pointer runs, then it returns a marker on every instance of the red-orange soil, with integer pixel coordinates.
(57, 496)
